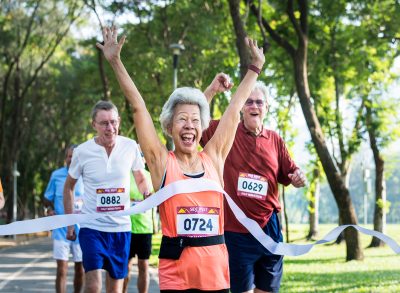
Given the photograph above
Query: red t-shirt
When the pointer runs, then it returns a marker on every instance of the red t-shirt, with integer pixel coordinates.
(254, 167)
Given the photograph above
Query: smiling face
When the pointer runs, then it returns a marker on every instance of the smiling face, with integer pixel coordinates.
(106, 124)
(254, 111)
(186, 128)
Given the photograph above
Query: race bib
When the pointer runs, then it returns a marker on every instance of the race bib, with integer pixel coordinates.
(253, 186)
(197, 221)
(78, 204)
(111, 199)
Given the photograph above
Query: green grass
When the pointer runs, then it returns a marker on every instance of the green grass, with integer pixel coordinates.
(324, 268)
(156, 241)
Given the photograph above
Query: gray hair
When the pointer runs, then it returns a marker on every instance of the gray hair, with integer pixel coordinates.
(103, 105)
(259, 85)
(188, 96)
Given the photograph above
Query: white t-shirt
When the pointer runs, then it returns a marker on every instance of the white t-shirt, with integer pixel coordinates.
(106, 181)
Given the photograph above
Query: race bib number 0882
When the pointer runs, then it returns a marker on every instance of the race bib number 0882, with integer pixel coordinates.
(110, 199)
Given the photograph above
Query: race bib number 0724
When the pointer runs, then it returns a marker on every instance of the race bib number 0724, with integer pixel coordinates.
(197, 221)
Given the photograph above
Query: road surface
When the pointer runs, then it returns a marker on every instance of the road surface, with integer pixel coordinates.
(31, 268)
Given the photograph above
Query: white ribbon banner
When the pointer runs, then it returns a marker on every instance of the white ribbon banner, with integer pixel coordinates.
(189, 186)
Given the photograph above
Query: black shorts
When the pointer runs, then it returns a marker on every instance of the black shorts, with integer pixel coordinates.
(140, 246)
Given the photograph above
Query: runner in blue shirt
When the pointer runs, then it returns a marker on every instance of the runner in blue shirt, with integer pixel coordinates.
(61, 246)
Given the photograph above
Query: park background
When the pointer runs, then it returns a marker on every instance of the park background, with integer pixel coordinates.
(332, 68)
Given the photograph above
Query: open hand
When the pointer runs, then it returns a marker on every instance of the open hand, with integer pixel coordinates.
(71, 235)
(257, 54)
(50, 212)
(111, 47)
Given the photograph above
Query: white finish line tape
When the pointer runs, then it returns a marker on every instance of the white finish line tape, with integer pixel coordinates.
(188, 186)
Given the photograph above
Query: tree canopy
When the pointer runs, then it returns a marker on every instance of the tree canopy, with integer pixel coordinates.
(344, 52)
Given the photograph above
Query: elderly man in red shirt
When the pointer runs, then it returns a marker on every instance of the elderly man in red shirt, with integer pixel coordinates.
(257, 162)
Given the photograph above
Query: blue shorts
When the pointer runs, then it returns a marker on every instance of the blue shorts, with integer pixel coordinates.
(250, 263)
(105, 250)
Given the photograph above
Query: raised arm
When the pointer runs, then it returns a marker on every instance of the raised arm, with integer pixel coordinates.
(221, 83)
(154, 151)
(221, 142)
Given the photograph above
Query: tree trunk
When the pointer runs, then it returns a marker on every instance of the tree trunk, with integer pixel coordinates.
(103, 77)
(380, 199)
(241, 34)
(346, 178)
(336, 182)
(314, 206)
(340, 238)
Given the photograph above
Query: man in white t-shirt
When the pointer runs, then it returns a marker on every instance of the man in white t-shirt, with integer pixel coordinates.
(104, 163)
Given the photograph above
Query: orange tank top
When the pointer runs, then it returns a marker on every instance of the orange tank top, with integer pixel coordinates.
(197, 214)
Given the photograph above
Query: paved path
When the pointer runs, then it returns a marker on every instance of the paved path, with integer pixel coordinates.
(30, 267)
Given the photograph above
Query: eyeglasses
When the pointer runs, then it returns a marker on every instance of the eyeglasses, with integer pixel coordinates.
(104, 124)
(249, 102)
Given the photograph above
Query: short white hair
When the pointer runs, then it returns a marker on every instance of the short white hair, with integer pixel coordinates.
(184, 96)
(259, 85)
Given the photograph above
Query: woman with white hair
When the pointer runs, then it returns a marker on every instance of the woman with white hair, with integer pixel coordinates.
(193, 256)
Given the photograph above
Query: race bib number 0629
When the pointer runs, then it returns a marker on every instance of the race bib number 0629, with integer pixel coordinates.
(253, 186)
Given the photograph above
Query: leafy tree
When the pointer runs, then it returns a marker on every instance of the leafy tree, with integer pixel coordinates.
(339, 42)
(297, 27)
(149, 59)
(31, 32)
(381, 119)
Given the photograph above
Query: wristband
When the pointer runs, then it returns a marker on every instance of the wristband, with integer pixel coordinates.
(254, 68)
